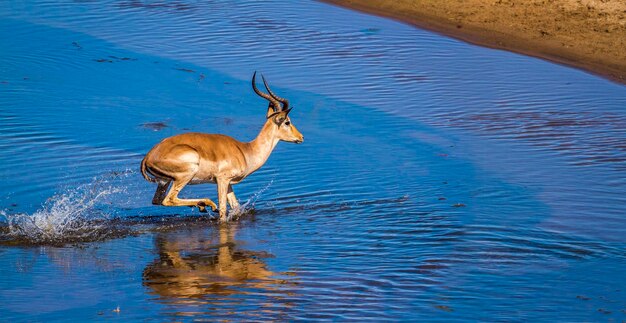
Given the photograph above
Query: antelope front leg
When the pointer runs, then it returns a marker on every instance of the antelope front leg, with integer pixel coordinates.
(232, 199)
(222, 196)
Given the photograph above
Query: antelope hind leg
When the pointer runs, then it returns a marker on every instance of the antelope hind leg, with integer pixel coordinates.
(171, 199)
(200, 203)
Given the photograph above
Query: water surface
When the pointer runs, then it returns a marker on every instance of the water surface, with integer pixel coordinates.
(438, 180)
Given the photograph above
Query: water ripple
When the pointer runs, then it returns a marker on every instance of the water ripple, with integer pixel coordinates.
(438, 180)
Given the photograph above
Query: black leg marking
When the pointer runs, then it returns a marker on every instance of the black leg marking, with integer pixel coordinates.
(160, 193)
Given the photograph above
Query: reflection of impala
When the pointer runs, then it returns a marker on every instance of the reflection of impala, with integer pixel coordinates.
(196, 158)
(190, 267)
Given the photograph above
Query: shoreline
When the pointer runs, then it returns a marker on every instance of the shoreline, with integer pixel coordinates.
(582, 34)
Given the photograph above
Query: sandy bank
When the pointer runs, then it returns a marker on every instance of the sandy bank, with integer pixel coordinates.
(586, 34)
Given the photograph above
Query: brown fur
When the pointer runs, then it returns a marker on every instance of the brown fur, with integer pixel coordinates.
(198, 158)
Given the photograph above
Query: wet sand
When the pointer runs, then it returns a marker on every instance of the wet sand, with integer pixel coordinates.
(586, 34)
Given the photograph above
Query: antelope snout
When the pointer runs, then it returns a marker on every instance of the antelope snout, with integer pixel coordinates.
(297, 136)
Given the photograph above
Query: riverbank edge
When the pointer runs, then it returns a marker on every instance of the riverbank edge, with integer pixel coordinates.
(608, 68)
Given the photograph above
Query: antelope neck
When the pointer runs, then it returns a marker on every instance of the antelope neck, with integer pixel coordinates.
(261, 147)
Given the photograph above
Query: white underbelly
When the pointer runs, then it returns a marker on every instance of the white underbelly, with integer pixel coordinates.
(195, 181)
(211, 180)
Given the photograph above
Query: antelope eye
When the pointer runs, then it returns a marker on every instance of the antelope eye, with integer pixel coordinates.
(287, 123)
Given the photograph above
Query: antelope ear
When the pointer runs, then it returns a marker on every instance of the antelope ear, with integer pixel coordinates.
(280, 117)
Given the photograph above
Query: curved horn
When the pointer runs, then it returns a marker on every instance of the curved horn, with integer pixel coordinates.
(274, 102)
(284, 101)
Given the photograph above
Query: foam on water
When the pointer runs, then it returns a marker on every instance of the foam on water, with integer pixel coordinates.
(76, 214)
(91, 212)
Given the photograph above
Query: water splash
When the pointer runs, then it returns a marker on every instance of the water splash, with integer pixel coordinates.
(248, 206)
(77, 214)
(89, 212)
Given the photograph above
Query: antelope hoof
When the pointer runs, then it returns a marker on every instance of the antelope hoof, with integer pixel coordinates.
(212, 205)
(203, 204)
(202, 207)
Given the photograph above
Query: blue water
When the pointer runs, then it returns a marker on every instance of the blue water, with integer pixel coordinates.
(438, 180)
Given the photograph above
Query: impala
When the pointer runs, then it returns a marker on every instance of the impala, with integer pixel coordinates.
(198, 158)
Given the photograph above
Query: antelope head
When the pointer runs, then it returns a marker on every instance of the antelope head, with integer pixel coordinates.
(278, 114)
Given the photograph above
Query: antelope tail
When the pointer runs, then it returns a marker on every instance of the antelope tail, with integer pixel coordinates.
(144, 173)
